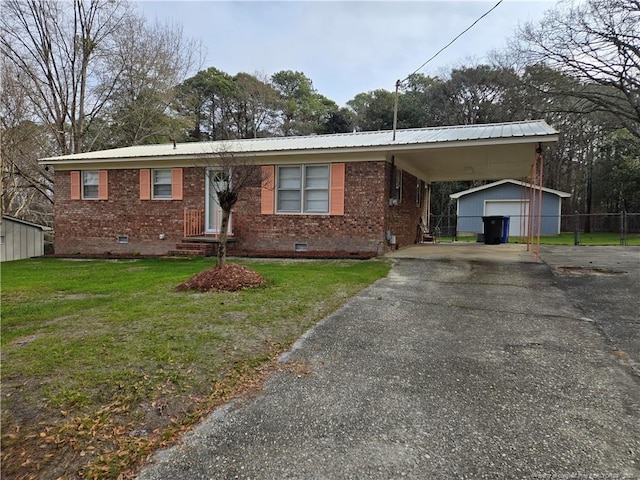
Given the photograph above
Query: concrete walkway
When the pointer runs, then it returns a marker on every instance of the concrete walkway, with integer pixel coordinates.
(473, 366)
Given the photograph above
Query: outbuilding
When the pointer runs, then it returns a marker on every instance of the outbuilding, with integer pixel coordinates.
(513, 199)
(20, 239)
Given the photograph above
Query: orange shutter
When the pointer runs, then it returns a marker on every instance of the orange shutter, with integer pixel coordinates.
(267, 195)
(145, 184)
(336, 195)
(75, 185)
(176, 184)
(103, 185)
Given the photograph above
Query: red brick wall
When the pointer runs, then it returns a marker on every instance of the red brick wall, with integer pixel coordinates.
(92, 226)
(403, 219)
(360, 229)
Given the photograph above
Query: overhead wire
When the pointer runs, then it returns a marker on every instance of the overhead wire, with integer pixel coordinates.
(400, 82)
(452, 41)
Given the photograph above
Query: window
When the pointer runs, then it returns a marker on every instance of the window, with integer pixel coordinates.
(162, 183)
(303, 189)
(289, 189)
(316, 189)
(90, 184)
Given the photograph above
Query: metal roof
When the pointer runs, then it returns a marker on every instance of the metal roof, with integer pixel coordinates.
(25, 222)
(501, 182)
(405, 138)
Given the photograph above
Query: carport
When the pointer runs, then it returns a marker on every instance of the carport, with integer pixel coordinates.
(491, 152)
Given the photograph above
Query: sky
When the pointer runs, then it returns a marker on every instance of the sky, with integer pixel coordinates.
(345, 47)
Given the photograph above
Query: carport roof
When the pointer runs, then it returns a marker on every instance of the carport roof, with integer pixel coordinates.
(433, 153)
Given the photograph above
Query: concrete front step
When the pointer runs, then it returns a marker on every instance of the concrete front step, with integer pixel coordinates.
(194, 248)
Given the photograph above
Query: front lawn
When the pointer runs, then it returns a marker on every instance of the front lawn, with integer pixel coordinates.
(103, 361)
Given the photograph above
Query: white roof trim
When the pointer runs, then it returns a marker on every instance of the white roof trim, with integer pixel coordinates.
(501, 182)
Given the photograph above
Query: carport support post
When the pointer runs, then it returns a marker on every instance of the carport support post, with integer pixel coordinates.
(623, 228)
(576, 229)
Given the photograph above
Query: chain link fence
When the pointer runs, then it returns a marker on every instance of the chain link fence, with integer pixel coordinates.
(623, 225)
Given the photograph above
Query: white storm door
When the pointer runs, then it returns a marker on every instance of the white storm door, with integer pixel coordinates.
(213, 212)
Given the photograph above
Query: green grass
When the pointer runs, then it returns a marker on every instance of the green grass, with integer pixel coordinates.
(566, 238)
(90, 346)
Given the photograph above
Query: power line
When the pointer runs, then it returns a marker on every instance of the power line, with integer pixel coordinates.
(456, 38)
(400, 82)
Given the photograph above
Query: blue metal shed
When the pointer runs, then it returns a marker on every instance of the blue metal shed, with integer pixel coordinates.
(510, 198)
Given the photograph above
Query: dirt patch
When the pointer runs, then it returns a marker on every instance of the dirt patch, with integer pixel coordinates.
(228, 278)
(235, 316)
(582, 271)
(22, 341)
(79, 296)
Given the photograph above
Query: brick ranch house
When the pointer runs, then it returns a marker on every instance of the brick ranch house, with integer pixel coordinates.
(355, 192)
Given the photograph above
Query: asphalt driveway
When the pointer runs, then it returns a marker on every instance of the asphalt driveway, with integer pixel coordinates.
(473, 367)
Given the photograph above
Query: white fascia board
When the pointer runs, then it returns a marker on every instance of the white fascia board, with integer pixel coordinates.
(185, 161)
(473, 143)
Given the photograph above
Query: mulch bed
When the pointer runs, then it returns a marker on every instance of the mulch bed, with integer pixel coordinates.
(228, 278)
(318, 255)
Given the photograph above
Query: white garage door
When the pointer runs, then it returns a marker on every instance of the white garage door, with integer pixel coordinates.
(510, 208)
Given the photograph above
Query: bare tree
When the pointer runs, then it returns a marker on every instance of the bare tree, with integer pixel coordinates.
(152, 59)
(60, 50)
(255, 106)
(26, 187)
(597, 42)
(233, 175)
(78, 59)
(73, 73)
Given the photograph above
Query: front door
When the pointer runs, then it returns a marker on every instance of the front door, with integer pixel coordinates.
(213, 212)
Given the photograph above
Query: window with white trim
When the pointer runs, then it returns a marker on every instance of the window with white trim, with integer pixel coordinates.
(161, 182)
(90, 181)
(303, 189)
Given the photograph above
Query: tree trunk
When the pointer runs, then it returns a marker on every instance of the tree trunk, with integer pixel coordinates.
(222, 247)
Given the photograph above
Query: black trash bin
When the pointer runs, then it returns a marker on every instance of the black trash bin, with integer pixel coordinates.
(493, 230)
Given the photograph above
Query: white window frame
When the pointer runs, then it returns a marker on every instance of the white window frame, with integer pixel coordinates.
(85, 184)
(154, 184)
(305, 191)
